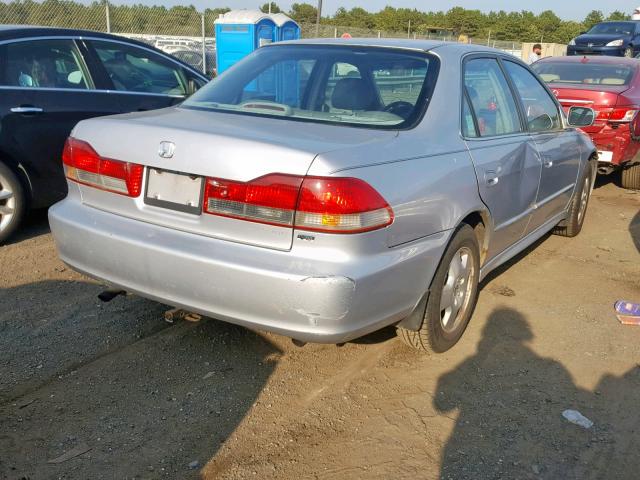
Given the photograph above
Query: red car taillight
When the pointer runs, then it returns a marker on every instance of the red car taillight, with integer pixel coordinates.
(270, 199)
(323, 204)
(84, 165)
(617, 115)
(340, 205)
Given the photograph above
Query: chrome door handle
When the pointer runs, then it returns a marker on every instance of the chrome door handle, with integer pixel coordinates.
(547, 163)
(492, 181)
(27, 110)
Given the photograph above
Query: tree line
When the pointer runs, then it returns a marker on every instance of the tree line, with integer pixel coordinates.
(522, 26)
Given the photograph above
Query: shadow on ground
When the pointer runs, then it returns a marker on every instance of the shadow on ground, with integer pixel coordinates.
(510, 402)
(148, 399)
(612, 178)
(34, 224)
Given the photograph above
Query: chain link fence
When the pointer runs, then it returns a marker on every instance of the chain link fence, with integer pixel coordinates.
(333, 31)
(179, 30)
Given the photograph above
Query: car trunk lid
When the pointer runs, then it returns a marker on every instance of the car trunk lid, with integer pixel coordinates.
(205, 145)
(602, 98)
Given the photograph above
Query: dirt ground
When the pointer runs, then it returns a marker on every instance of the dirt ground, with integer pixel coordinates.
(145, 399)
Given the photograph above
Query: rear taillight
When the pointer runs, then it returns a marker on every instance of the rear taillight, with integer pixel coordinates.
(340, 205)
(84, 165)
(617, 115)
(323, 204)
(270, 199)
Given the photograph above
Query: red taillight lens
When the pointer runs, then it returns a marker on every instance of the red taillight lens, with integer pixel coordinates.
(84, 165)
(341, 205)
(270, 199)
(617, 115)
(622, 115)
(325, 204)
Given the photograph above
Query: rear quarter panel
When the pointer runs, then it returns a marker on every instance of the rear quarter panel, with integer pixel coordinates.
(428, 194)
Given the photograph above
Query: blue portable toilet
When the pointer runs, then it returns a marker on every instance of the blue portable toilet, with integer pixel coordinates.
(240, 32)
(286, 28)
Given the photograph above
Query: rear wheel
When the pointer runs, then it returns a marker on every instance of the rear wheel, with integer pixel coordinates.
(631, 177)
(12, 202)
(452, 297)
(578, 206)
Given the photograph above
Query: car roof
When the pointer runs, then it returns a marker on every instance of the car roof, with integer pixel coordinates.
(9, 32)
(597, 59)
(424, 45)
(12, 32)
(618, 21)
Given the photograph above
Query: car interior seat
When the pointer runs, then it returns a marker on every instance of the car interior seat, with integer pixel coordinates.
(354, 94)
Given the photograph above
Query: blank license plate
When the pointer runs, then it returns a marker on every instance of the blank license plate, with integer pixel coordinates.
(605, 156)
(176, 191)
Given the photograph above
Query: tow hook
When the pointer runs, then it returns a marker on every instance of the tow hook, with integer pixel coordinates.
(110, 294)
(175, 314)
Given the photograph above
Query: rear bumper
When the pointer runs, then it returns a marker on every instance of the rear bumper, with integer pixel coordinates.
(300, 294)
(618, 141)
(585, 50)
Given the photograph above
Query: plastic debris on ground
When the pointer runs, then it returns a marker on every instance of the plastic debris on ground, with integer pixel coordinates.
(628, 313)
(577, 418)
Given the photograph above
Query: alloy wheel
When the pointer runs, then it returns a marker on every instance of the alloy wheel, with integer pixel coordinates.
(7, 203)
(584, 198)
(457, 289)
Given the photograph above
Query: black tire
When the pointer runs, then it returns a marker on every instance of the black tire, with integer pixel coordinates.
(631, 177)
(579, 204)
(433, 336)
(12, 202)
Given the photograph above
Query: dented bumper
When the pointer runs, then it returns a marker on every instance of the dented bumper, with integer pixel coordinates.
(288, 292)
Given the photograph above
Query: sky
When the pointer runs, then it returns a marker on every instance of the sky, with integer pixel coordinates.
(566, 9)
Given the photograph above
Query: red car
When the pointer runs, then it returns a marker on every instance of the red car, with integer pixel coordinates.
(611, 86)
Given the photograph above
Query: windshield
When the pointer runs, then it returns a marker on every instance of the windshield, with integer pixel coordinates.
(584, 73)
(362, 86)
(613, 28)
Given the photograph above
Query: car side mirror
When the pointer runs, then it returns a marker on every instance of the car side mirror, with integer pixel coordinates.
(581, 117)
(582, 33)
(541, 123)
(192, 87)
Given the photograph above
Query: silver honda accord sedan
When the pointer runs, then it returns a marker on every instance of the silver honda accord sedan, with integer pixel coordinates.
(323, 189)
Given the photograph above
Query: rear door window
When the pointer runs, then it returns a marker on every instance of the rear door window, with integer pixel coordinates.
(50, 63)
(492, 102)
(134, 69)
(468, 124)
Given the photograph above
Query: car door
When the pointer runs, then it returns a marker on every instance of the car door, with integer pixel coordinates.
(557, 146)
(141, 78)
(504, 156)
(46, 90)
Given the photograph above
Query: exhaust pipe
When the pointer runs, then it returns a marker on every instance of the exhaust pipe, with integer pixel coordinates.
(171, 316)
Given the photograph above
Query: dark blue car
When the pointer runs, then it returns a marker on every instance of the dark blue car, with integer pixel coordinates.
(50, 79)
(620, 39)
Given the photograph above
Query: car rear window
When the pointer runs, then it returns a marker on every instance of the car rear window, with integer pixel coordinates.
(584, 73)
(350, 85)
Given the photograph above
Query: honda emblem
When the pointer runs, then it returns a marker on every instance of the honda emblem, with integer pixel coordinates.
(166, 149)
